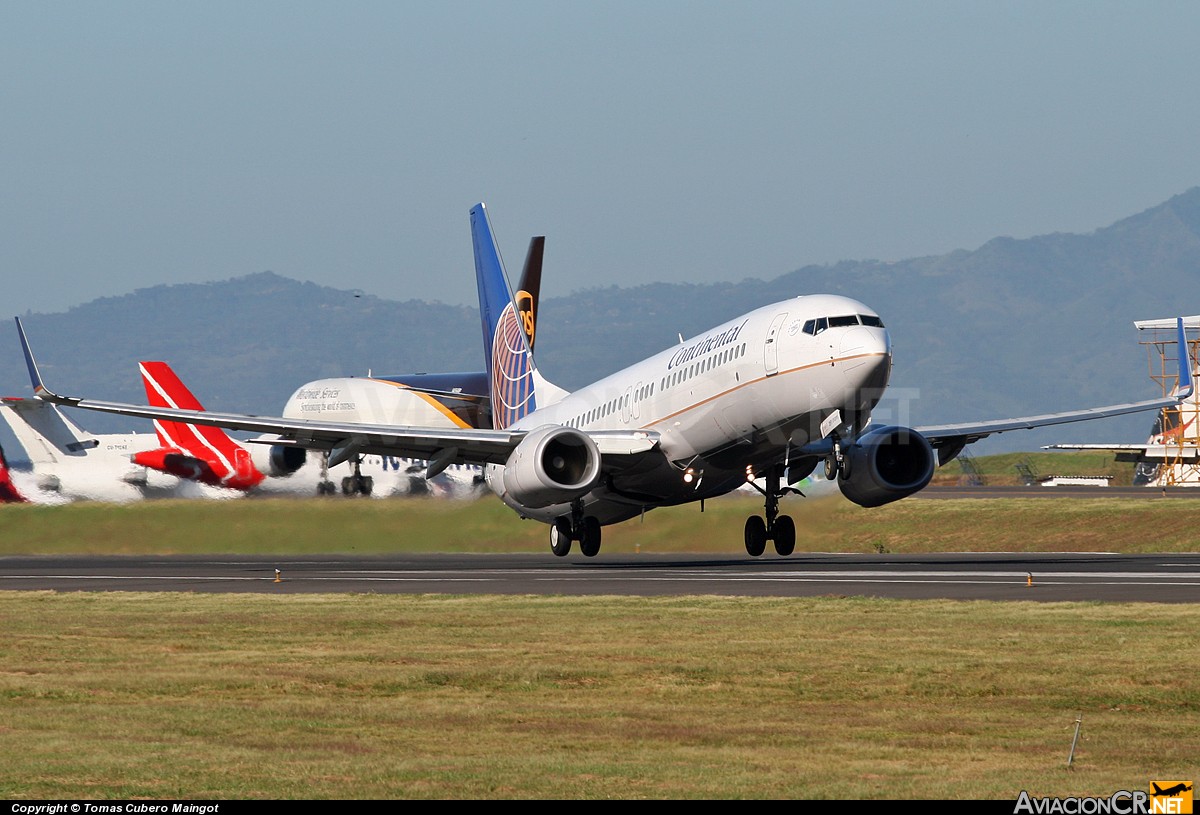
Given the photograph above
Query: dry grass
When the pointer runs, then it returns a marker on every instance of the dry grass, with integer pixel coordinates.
(362, 696)
(123, 695)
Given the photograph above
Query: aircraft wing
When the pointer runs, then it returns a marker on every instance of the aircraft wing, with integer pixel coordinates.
(344, 440)
(949, 439)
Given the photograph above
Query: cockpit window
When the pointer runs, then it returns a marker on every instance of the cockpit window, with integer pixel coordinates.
(843, 321)
(815, 327)
(871, 320)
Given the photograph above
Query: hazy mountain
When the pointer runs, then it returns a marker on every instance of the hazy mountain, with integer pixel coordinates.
(1015, 327)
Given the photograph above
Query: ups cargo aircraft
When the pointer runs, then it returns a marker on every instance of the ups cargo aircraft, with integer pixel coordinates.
(771, 394)
(208, 455)
(457, 400)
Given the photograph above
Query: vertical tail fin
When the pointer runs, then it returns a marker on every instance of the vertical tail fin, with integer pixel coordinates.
(228, 460)
(9, 494)
(47, 435)
(507, 357)
(529, 288)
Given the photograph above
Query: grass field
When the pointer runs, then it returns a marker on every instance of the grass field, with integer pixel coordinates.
(825, 524)
(168, 696)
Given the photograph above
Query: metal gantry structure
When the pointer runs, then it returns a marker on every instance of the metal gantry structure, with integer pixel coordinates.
(1176, 428)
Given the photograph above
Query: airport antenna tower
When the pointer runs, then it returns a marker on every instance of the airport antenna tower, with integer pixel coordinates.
(1177, 428)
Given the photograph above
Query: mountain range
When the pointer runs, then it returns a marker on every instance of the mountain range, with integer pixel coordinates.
(1013, 328)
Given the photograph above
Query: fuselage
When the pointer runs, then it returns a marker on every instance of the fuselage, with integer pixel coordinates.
(389, 400)
(728, 403)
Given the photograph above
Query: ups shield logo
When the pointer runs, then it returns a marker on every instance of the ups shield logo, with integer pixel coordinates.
(524, 301)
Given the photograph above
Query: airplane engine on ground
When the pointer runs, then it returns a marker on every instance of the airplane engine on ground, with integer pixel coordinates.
(276, 460)
(551, 465)
(886, 465)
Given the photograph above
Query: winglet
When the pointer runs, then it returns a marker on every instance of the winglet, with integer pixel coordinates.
(35, 377)
(1184, 390)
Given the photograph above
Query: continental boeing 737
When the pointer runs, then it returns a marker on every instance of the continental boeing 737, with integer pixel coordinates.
(771, 394)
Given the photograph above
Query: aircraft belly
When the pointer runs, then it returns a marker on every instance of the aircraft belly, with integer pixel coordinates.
(626, 496)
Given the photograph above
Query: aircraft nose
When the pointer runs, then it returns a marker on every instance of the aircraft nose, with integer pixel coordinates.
(868, 355)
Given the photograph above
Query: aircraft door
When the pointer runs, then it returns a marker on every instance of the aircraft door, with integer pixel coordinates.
(627, 405)
(637, 401)
(771, 353)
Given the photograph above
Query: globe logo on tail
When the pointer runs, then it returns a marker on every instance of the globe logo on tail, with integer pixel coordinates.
(512, 373)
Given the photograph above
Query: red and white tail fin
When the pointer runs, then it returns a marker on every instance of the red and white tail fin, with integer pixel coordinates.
(9, 494)
(228, 461)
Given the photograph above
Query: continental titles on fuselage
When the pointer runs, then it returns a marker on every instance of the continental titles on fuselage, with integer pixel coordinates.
(711, 343)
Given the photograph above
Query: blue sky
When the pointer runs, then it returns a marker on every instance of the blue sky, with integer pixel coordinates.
(151, 143)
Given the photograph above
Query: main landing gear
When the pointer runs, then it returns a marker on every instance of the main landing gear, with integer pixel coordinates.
(324, 485)
(356, 484)
(586, 530)
(779, 528)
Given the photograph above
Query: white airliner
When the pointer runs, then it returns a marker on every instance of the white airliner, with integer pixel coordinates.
(71, 464)
(769, 394)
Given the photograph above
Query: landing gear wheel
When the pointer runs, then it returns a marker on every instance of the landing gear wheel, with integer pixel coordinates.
(326, 488)
(831, 468)
(589, 536)
(560, 537)
(756, 535)
(366, 484)
(784, 534)
(348, 486)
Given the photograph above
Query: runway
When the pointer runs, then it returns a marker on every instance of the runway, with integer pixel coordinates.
(1170, 578)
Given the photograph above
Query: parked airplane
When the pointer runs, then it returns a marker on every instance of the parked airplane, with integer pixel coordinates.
(1171, 454)
(205, 454)
(454, 400)
(208, 455)
(70, 463)
(9, 494)
(769, 394)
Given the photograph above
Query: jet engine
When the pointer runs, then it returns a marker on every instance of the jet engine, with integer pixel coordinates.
(886, 465)
(551, 465)
(276, 460)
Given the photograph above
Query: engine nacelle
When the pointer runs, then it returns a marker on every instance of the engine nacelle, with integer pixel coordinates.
(886, 465)
(551, 465)
(276, 460)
